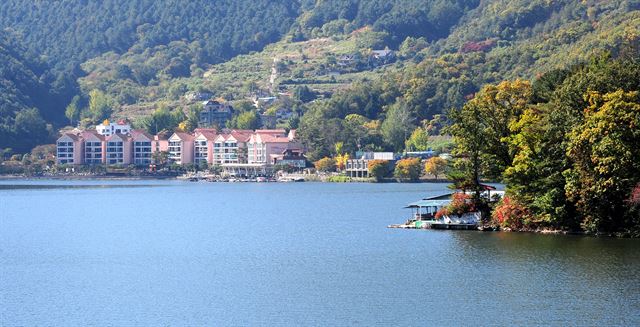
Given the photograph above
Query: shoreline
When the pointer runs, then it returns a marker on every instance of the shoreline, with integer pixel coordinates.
(92, 177)
(525, 231)
(314, 178)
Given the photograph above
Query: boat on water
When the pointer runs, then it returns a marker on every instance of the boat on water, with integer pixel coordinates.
(428, 213)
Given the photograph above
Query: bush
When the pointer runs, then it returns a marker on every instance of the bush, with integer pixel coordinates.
(510, 213)
(460, 204)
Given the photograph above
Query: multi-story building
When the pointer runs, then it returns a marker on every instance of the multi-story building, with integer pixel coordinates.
(215, 113)
(118, 149)
(94, 148)
(181, 148)
(69, 149)
(265, 143)
(203, 147)
(142, 148)
(230, 148)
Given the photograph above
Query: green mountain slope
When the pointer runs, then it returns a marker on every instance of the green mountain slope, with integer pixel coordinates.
(71, 31)
(143, 54)
(25, 89)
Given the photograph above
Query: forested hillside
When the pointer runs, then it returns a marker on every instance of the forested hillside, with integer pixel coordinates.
(138, 56)
(26, 88)
(71, 31)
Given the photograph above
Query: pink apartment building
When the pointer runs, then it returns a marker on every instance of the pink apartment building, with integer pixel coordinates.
(203, 146)
(235, 147)
(181, 148)
(263, 145)
(69, 149)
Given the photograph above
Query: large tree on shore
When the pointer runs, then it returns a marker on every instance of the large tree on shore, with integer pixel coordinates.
(481, 130)
(606, 153)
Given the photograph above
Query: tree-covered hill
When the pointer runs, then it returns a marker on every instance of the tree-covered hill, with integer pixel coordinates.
(69, 32)
(28, 96)
(138, 55)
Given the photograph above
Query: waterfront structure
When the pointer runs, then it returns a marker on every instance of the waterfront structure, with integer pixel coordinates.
(359, 167)
(107, 128)
(264, 143)
(118, 149)
(94, 148)
(142, 147)
(181, 148)
(290, 157)
(69, 149)
(203, 147)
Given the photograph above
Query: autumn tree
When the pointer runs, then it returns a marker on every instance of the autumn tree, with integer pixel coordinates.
(378, 169)
(325, 165)
(435, 166)
(409, 168)
(606, 161)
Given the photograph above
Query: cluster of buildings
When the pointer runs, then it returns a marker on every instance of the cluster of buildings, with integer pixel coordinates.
(240, 151)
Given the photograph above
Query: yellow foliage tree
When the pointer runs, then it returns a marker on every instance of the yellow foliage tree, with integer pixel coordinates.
(435, 166)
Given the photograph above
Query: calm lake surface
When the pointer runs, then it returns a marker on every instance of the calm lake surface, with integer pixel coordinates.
(173, 253)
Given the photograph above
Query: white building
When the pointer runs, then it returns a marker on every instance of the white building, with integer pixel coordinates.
(108, 129)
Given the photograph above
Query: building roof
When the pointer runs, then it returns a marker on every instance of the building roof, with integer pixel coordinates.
(241, 135)
(271, 131)
(71, 136)
(382, 53)
(428, 203)
(268, 138)
(200, 129)
(123, 137)
(89, 133)
(209, 135)
(445, 196)
(183, 136)
(138, 132)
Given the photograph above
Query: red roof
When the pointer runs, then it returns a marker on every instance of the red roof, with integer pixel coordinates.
(137, 132)
(210, 136)
(184, 136)
(88, 134)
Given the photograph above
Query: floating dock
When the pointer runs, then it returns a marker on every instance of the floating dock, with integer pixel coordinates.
(435, 225)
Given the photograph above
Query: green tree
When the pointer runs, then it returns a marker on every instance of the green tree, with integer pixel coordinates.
(397, 125)
(72, 112)
(481, 130)
(418, 141)
(248, 120)
(100, 106)
(606, 162)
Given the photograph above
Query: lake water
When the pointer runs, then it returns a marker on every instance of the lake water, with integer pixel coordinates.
(170, 253)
